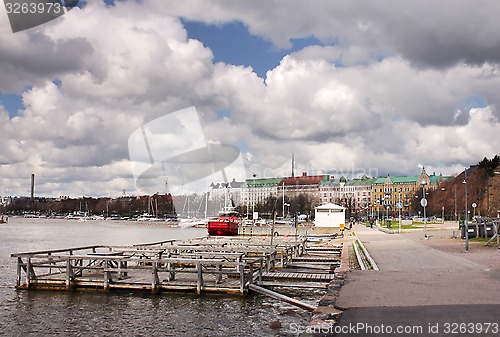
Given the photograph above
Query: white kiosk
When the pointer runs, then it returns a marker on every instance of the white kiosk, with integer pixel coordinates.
(329, 217)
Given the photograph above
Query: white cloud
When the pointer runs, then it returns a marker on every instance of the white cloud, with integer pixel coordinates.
(424, 32)
(339, 107)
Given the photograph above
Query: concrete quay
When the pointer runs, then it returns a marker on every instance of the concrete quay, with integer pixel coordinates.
(425, 287)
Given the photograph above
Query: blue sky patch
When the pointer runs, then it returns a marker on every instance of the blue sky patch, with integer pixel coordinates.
(12, 103)
(232, 43)
(474, 102)
(223, 114)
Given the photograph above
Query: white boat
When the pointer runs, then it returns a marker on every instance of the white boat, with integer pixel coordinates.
(192, 222)
(148, 217)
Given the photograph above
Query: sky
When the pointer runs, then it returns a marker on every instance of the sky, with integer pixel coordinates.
(350, 88)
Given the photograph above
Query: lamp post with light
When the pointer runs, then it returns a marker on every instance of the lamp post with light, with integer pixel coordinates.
(455, 185)
(442, 208)
(423, 202)
(466, 227)
(253, 199)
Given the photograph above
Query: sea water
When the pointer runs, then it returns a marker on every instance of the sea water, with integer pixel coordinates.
(61, 313)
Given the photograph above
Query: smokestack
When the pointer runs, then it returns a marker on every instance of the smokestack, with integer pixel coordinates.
(293, 164)
(32, 186)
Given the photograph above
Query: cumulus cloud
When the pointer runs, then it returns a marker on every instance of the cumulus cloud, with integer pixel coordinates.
(426, 33)
(388, 89)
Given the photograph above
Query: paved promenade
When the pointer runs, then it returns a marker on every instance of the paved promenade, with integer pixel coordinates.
(422, 289)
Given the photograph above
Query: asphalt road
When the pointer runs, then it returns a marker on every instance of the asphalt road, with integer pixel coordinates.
(419, 291)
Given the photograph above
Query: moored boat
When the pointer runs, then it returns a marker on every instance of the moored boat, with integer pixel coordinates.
(191, 222)
(226, 223)
(4, 218)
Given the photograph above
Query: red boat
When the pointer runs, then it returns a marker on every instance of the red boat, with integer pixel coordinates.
(225, 225)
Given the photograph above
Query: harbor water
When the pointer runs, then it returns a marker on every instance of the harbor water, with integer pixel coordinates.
(52, 313)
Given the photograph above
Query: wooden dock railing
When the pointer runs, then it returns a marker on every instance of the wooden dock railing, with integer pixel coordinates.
(228, 265)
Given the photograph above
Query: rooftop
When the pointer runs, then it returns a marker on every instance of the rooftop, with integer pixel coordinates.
(304, 179)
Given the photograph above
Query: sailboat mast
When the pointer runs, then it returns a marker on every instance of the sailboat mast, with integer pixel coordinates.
(206, 204)
(283, 201)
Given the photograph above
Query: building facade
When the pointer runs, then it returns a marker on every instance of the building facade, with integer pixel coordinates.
(355, 194)
(257, 191)
(231, 191)
(306, 185)
(388, 192)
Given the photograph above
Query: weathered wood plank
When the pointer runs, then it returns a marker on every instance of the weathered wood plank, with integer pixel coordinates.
(281, 297)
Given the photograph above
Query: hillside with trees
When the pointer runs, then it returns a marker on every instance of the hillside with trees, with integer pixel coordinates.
(483, 189)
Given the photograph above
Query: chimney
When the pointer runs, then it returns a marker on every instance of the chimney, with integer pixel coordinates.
(32, 186)
(304, 173)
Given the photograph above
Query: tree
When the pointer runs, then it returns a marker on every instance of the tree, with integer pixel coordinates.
(489, 165)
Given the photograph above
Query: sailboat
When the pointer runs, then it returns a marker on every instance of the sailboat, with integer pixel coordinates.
(193, 221)
(151, 214)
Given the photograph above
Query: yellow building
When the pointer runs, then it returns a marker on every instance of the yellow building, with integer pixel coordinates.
(388, 192)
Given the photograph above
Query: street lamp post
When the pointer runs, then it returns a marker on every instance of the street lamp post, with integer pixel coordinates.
(423, 202)
(466, 227)
(442, 208)
(455, 185)
(253, 199)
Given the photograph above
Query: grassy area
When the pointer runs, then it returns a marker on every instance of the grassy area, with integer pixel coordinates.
(428, 222)
(479, 239)
(395, 225)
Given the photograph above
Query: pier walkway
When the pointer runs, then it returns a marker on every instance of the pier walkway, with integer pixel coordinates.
(419, 286)
(209, 264)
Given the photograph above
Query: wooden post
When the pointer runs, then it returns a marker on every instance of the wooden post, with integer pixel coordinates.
(28, 272)
(124, 265)
(199, 283)
(19, 271)
(107, 279)
(242, 277)
(219, 273)
(171, 272)
(155, 280)
(69, 273)
(50, 261)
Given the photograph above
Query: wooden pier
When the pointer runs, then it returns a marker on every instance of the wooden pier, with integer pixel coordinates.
(210, 264)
